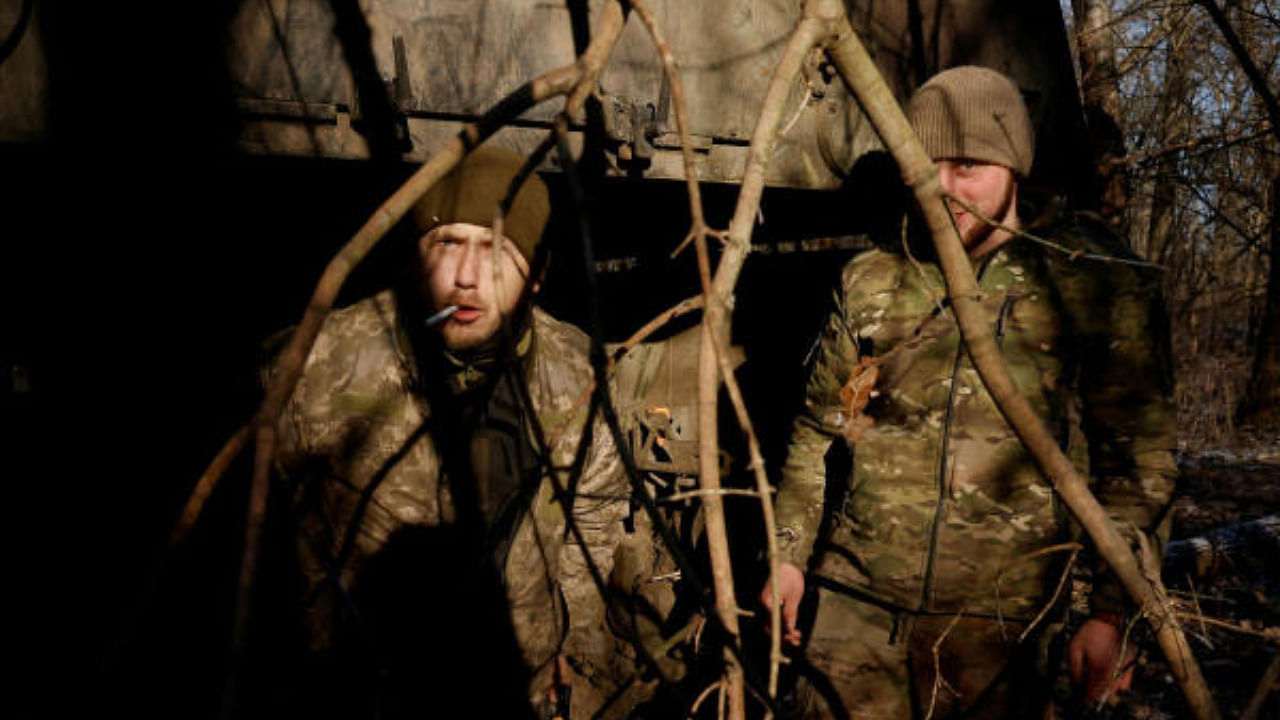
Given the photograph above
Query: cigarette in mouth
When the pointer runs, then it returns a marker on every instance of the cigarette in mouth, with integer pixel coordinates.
(441, 316)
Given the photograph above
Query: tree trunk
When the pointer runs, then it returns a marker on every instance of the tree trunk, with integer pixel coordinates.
(1100, 90)
(1173, 126)
(1262, 402)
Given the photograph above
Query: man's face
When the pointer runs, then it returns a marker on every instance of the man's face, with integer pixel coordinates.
(989, 188)
(457, 269)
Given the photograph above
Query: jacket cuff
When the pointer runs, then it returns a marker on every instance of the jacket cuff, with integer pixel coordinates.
(1111, 618)
(792, 548)
(1109, 597)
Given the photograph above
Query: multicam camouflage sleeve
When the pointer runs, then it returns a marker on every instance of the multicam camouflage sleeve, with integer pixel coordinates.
(1126, 384)
(801, 494)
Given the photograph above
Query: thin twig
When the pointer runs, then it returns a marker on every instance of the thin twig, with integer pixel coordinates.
(1174, 593)
(702, 696)
(1195, 603)
(1257, 78)
(205, 485)
(1224, 625)
(649, 328)
(697, 634)
(1269, 678)
(1224, 142)
(688, 240)
(1062, 582)
(1120, 665)
(938, 681)
(690, 494)
(804, 103)
(1061, 547)
(1019, 232)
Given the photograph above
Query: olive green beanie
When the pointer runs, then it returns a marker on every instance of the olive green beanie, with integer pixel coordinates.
(974, 113)
(470, 193)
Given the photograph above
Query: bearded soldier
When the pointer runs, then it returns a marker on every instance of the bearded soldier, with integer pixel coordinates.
(937, 551)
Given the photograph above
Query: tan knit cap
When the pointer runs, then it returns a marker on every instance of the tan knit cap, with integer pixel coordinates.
(470, 193)
(973, 113)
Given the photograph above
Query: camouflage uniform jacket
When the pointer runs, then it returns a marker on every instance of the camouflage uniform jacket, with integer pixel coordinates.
(352, 413)
(945, 507)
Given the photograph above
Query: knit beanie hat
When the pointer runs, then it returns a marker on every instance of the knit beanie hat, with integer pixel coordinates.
(470, 193)
(973, 113)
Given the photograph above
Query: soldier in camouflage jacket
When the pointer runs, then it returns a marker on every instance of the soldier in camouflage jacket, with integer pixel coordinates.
(945, 528)
(439, 571)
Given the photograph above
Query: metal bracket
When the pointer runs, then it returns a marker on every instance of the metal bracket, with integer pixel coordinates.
(309, 112)
(398, 88)
(640, 128)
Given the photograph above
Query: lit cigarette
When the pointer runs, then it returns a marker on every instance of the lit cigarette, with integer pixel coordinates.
(441, 316)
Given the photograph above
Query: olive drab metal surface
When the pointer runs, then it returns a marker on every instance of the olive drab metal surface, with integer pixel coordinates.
(444, 62)
(656, 393)
(447, 61)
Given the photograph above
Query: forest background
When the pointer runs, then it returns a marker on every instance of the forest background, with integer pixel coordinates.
(1186, 140)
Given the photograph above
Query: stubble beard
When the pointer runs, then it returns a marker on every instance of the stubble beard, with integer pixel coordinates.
(979, 231)
(460, 338)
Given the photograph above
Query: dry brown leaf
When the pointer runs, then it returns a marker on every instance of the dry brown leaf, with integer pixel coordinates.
(855, 394)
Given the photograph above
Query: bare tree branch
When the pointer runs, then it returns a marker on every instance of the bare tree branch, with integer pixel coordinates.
(718, 344)
(1245, 58)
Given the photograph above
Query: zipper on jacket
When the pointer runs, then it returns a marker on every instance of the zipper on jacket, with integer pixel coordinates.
(927, 588)
(942, 482)
(1005, 307)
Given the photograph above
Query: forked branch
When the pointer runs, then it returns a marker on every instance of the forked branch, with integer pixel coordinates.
(712, 493)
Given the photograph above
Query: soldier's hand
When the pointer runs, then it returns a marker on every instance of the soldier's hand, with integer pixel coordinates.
(790, 590)
(1096, 664)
